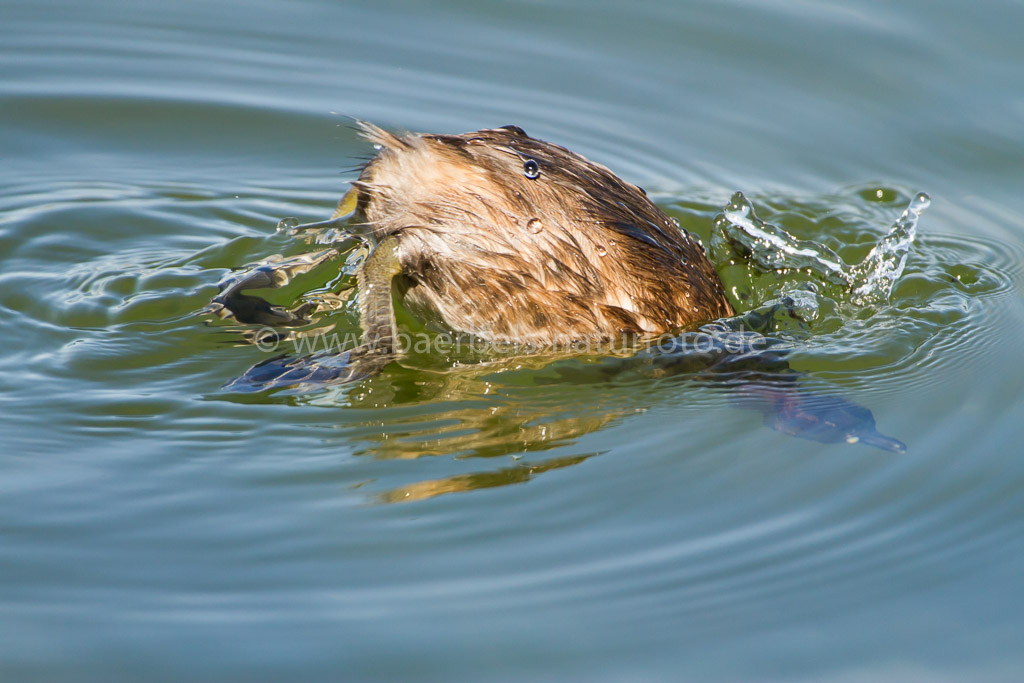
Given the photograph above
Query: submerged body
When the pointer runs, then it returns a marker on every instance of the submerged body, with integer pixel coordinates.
(513, 239)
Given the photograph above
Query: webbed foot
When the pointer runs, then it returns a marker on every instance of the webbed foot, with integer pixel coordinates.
(798, 411)
(250, 309)
(305, 373)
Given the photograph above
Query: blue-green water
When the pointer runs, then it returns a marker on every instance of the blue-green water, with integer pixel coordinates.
(153, 527)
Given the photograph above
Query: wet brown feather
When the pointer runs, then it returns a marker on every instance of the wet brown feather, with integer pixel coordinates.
(605, 261)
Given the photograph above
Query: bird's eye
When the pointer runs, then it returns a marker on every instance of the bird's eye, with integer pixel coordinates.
(531, 169)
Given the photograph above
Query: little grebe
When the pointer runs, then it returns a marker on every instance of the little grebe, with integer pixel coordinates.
(513, 239)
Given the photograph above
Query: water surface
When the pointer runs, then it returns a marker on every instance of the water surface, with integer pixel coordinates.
(554, 523)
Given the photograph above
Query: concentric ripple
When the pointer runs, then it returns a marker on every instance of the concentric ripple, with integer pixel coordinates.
(468, 517)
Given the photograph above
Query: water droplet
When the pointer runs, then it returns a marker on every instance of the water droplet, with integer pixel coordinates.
(601, 251)
(286, 224)
(535, 225)
(921, 202)
(879, 194)
(531, 169)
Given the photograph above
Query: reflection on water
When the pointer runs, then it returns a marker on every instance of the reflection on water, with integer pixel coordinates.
(458, 483)
(493, 409)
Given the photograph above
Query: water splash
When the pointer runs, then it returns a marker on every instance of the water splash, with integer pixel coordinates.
(878, 272)
(332, 232)
(769, 247)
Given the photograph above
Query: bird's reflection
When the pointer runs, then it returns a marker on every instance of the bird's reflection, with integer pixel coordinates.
(516, 474)
(510, 410)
